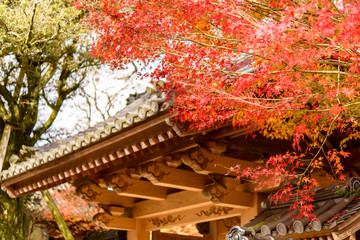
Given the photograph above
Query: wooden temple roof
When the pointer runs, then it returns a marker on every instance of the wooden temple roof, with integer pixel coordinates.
(149, 172)
(142, 132)
(64, 160)
(141, 165)
(337, 212)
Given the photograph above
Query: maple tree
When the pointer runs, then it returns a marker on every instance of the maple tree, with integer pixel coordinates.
(284, 69)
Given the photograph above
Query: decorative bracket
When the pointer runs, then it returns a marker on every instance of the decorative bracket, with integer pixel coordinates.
(197, 159)
(103, 218)
(215, 192)
(119, 182)
(88, 191)
(153, 172)
(180, 128)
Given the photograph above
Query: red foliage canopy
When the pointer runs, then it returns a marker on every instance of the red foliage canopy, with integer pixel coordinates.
(288, 69)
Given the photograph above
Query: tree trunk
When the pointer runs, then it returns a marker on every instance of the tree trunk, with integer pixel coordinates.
(4, 144)
(57, 215)
(15, 221)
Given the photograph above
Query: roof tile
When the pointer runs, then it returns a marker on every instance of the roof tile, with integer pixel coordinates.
(139, 110)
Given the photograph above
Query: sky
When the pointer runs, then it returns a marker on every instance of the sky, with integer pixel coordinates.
(110, 87)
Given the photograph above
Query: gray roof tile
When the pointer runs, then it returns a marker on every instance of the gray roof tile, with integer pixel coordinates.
(139, 110)
(328, 202)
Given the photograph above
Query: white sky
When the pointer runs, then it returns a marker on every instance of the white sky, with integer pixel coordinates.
(113, 82)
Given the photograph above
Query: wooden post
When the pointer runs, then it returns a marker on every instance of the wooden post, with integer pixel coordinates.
(57, 215)
(139, 233)
(4, 144)
(213, 230)
(252, 212)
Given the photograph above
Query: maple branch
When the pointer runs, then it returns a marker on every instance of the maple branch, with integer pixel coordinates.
(334, 62)
(204, 33)
(321, 146)
(328, 72)
(191, 40)
(230, 96)
(245, 16)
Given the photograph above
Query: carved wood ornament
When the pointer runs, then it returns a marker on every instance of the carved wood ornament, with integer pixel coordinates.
(215, 192)
(156, 221)
(197, 159)
(180, 128)
(103, 219)
(230, 222)
(118, 182)
(214, 210)
(153, 172)
(87, 191)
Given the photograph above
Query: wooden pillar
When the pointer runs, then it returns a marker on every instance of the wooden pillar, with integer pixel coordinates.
(139, 233)
(213, 230)
(156, 235)
(250, 213)
(216, 231)
(221, 236)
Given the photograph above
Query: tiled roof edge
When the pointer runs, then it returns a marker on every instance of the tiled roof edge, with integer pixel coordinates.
(138, 111)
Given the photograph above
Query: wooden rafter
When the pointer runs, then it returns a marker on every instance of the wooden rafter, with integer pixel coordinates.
(113, 162)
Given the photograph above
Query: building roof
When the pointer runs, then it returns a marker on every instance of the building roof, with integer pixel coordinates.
(145, 108)
(336, 208)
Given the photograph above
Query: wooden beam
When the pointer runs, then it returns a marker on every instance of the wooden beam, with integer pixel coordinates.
(124, 185)
(232, 183)
(196, 215)
(116, 210)
(250, 213)
(94, 193)
(139, 233)
(175, 202)
(108, 221)
(161, 175)
(217, 193)
(203, 161)
(186, 200)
